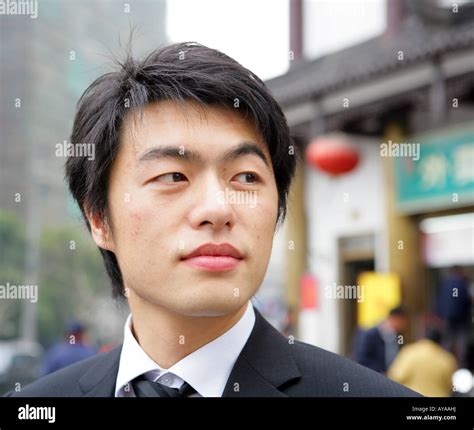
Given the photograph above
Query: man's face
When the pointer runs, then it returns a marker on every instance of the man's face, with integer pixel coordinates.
(164, 203)
(398, 323)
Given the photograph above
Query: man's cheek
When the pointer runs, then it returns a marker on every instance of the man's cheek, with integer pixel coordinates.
(138, 220)
(267, 215)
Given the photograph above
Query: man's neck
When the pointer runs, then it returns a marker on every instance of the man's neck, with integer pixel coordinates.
(167, 337)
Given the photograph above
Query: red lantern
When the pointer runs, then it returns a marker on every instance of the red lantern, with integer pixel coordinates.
(332, 154)
(308, 292)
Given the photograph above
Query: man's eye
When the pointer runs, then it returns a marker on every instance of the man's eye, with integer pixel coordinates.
(248, 177)
(172, 177)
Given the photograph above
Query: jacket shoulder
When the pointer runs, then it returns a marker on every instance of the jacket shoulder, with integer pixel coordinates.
(372, 333)
(332, 375)
(64, 382)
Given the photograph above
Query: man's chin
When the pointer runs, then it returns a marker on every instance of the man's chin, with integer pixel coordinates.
(200, 300)
(212, 308)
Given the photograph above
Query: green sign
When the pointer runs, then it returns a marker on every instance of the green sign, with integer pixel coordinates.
(441, 176)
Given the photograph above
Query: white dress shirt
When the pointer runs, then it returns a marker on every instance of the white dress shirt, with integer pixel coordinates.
(207, 369)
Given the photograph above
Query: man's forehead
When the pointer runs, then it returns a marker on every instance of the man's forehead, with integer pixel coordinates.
(190, 126)
(188, 113)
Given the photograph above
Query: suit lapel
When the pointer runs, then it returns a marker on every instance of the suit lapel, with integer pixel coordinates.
(99, 380)
(264, 364)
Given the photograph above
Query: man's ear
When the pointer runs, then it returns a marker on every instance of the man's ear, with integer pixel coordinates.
(100, 230)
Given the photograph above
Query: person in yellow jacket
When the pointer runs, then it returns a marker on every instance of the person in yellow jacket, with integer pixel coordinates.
(425, 367)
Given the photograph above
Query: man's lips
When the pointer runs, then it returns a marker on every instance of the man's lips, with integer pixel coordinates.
(214, 257)
(215, 250)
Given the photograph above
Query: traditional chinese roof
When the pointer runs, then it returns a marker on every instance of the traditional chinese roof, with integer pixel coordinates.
(417, 39)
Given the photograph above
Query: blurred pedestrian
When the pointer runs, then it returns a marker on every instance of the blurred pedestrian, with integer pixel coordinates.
(424, 366)
(454, 309)
(377, 347)
(72, 349)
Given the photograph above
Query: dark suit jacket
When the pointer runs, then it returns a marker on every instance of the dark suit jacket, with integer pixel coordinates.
(268, 366)
(370, 351)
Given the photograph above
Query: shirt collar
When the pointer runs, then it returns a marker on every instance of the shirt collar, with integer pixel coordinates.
(207, 369)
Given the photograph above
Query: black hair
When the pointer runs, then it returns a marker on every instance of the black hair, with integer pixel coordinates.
(178, 72)
(398, 311)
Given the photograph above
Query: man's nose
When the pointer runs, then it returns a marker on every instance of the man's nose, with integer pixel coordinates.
(212, 206)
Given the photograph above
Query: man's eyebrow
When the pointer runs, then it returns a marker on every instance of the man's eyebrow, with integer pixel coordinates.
(181, 153)
(244, 148)
(177, 152)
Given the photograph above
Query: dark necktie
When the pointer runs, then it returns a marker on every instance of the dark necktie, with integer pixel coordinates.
(144, 388)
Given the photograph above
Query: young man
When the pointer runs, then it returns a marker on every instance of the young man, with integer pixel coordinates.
(193, 162)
